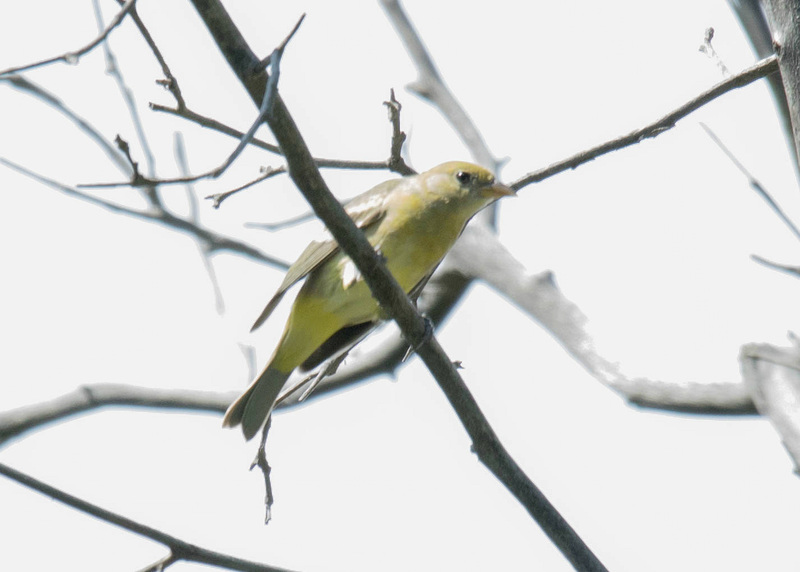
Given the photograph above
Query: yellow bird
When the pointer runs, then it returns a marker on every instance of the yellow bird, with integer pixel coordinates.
(412, 222)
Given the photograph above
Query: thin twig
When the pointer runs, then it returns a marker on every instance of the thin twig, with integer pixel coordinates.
(125, 149)
(262, 463)
(113, 69)
(180, 549)
(74, 56)
(280, 225)
(106, 146)
(754, 183)
(161, 564)
(139, 180)
(216, 242)
(396, 166)
(220, 127)
(270, 94)
(396, 162)
(761, 69)
(169, 81)
(266, 173)
(194, 216)
(791, 270)
(213, 124)
(430, 85)
(150, 192)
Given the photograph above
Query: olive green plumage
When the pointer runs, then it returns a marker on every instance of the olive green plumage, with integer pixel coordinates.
(412, 222)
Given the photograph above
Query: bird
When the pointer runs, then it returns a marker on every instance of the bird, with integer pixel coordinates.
(412, 222)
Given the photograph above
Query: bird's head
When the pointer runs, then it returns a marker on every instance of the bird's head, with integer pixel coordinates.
(462, 179)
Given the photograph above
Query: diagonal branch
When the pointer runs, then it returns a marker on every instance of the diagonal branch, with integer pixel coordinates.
(139, 180)
(785, 34)
(792, 270)
(389, 294)
(26, 86)
(755, 184)
(762, 69)
(179, 549)
(194, 217)
(216, 242)
(169, 81)
(754, 23)
(74, 56)
(112, 68)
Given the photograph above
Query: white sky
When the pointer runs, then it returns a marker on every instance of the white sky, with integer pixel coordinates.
(652, 242)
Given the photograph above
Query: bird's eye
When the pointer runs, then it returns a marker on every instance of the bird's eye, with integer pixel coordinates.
(464, 178)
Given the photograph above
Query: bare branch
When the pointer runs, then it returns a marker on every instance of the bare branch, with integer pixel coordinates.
(486, 258)
(139, 180)
(26, 86)
(180, 549)
(383, 359)
(773, 376)
(430, 85)
(169, 81)
(220, 127)
(754, 22)
(266, 173)
(782, 18)
(74, 56)
(396, 162)
(15, 422)
(384, 287)
(263, 464)
(113, 69)
(194, 216)
(791, 270)
(150, 192)
(215, 242)
(761, 69)
(208, 122)
(281, 224)
(754, 183)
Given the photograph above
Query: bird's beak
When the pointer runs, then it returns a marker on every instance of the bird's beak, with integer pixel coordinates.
(498, 190)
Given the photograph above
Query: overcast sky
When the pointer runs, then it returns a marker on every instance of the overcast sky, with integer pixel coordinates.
(653, 243)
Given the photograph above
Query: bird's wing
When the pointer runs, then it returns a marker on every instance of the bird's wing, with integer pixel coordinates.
(366, 210)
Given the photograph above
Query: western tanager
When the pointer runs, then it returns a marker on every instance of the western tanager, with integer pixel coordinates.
(412, 222)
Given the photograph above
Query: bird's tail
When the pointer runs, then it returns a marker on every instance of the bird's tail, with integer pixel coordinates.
(253, 407)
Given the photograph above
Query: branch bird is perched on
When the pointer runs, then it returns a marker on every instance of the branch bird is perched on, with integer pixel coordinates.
(412, 222)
